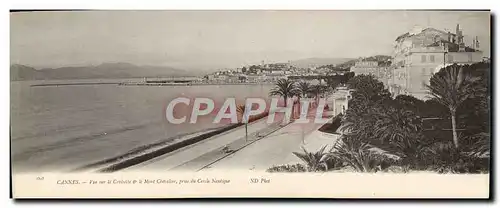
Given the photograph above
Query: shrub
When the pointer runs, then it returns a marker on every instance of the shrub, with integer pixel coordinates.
(317, 161)
(333, 126)
(463, 165)
(445, 158)
(288, 168)
(353, 152)
(480, 144)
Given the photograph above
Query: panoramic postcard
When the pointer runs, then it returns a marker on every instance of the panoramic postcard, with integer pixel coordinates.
(256, 103)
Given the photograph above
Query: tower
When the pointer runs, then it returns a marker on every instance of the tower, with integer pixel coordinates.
(460, 39)
(474, 42)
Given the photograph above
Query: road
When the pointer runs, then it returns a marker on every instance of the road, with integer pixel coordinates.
(258, 153)
(274, 149)
(191, 152)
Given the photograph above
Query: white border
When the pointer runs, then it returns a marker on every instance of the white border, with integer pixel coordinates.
(255, 4)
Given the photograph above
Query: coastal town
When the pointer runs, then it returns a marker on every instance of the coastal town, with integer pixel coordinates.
(417, 55)
(353, 92)
(192, 97)
(399, 99)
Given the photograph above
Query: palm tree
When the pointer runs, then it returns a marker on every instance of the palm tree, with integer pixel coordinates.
(241, 111)
(284, 88)
(451, 88)
(318, 90)
(304, 88)
(398, 131)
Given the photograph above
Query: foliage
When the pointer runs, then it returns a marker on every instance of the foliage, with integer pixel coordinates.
(467, 165)
(410, 103)
(395, 125)
(445, 158)
(285, 88)
(333, 83)
(367, 89)
(317, 161)
(333, 126)
(451, 87)
(312, 160)
(288, 168)
(318, 90)
(479, 146)
(399, 131)
(381, 133)
(304, 88)
(355, 153)
(346, 77)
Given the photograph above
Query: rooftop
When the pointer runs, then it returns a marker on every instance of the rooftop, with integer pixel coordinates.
(406, 35)
(452, 47)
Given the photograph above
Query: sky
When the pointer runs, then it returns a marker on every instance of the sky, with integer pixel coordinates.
(217, 39)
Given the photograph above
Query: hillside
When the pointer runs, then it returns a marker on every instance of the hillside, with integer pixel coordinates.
(102, 71)
(21, 72)
(383, 60)
(316, 62)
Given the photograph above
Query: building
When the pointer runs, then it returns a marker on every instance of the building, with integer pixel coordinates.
(420, 53)
(371, 67)
(366, 67)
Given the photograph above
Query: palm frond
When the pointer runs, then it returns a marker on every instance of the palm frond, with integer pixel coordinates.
(284, 88)
(452, 86)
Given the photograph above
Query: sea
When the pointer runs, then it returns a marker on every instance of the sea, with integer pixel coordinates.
(60, 127)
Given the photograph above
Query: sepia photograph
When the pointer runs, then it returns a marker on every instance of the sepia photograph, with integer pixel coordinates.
(231, 98)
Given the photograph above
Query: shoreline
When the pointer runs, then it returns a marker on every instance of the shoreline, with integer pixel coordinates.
(150, 151)
(141, 84)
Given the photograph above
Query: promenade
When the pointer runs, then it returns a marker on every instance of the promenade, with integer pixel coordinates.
(177, 158)
(267, 145)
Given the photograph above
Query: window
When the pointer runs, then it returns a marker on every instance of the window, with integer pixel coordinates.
(450, 58)
(423, 59)
(432, 58)
(470, 57)
(423, 71)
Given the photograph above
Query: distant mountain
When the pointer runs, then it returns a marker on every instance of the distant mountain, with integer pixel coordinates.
(316, 62)
(102, 71)
(21, 72)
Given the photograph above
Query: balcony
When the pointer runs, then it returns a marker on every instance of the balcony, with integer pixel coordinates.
(437, 49)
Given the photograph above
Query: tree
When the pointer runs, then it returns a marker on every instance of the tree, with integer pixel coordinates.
(369, 94)
(318, 90)
(346, 77)
(334, 81)
(411, 103)
(368, 90)
(451, 87)
(399, 131)
(284, 88)
(304, 88)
